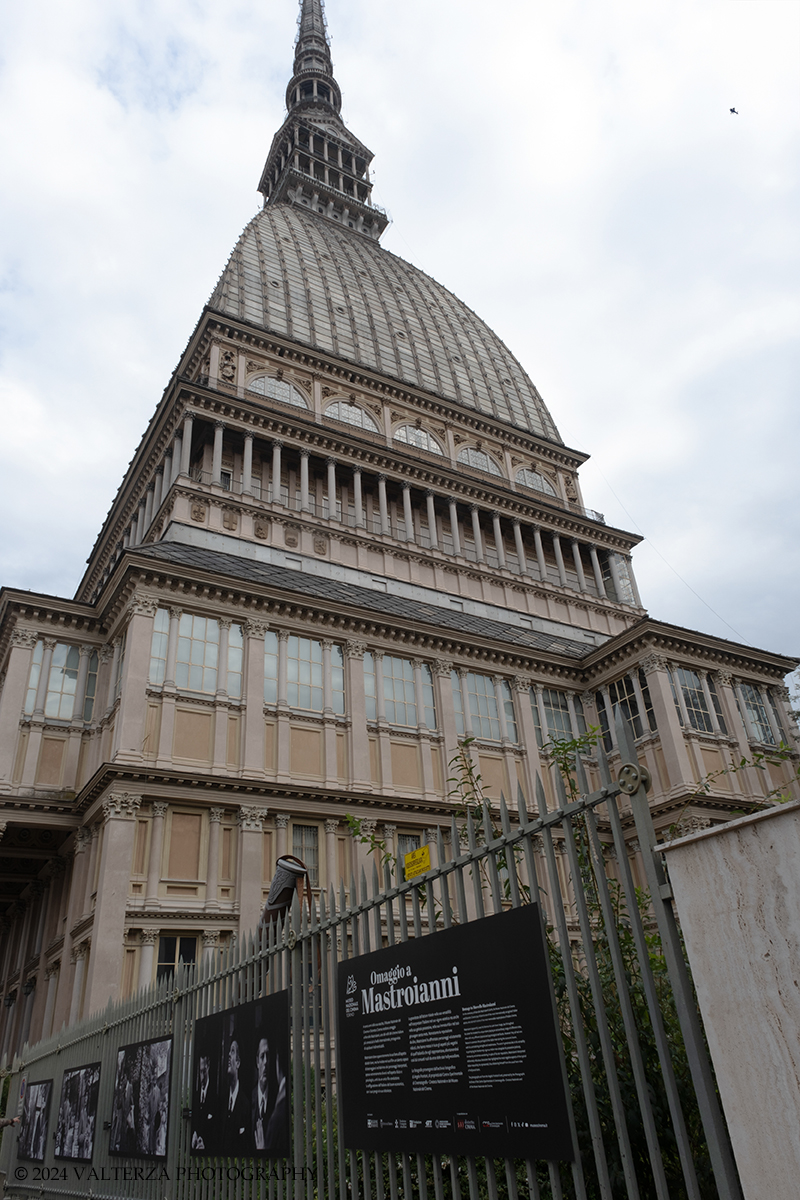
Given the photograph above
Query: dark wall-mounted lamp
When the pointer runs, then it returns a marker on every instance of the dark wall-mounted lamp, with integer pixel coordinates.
(29, 987)
(9, 1000)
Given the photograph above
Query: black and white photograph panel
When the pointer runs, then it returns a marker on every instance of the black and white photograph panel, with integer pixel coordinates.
(77, 1113)
(35, 1121)
(140, 1109)
(240, 1086)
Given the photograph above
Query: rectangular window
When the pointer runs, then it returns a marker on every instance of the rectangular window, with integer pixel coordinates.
(648, 703)
(406, 843)
(271, 668)
(712, 688)
(507, 698)
(678, 709)
(475, 695)
(91, 686)
(369, 687)
(579, 715)
(556, 714)
(537, 720)
(337, 679)
(305, 846)
(62, 683)
(235, 661)
(694, 698)
(198, 653)
(158, 647)
(622, 693)
(759, 720)
(304, 674)
(33, 677)
(171, 950)
(398, 691)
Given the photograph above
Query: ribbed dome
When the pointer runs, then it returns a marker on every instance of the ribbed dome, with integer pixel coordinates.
(301, 276)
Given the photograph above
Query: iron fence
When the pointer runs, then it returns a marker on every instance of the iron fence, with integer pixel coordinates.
(645, 1117)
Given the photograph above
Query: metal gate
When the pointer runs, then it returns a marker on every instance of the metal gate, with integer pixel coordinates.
(645, 1116)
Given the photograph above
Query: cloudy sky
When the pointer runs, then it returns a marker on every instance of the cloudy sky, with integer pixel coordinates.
(570, 168)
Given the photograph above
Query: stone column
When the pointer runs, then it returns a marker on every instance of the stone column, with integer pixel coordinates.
(212, 869)
(673, 745)
(562, 572)
(247, 465)
(113, 882)
(419, 694)
(520, 546)
(12, 699)
(159, 487)
(521, 686)
(216, 457)
(210, 945)
(331, 856)
(147, 953)
(462, 681)
(476, 531)
(156, 847)
(166, 481)
(540, 562)
(44, 676)
(501, 708)
(51, 975)
(614, 567)
(149, 496)
(498, 540)
(304, 497)
(78, 957)
(91, 869)
(282, 835)
(284, 731)
(358, 502)
(357, 711)
(576, 554)
(251, 868)
(408, 515)
(275, 494)
(384, 508)
(177, 457)
(330, 463)
(598, 574)
(86, 653)
(186, 444)
(432, 530)
(253, 686)
(444, 706)
(454, 526)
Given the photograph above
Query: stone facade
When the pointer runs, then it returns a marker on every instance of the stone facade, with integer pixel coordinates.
(350, 537)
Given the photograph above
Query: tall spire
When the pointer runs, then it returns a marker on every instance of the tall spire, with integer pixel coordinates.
(314, 160)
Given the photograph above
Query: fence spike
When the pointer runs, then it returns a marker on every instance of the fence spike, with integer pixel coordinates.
(342, 896)
(522, 807)
(323, 911)
(605, 770)
(353, 891)
(470, 831)
(580, 775)
(488, 832)
(303, 919)
(541, 798)
(312, 908)
(455, 836)
(364, 896)
(296, 921)
(561, 791)
(376, 887)
(440, 844)
(505, 820)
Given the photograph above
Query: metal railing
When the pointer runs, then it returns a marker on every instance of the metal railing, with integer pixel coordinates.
(645, 1117)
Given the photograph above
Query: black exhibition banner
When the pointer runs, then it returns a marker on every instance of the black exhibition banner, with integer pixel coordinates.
(240, 1085)
(448, 1044)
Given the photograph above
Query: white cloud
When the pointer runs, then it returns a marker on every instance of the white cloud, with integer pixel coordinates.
(570, 169)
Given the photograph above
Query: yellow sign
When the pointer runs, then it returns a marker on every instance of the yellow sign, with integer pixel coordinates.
(417, 862)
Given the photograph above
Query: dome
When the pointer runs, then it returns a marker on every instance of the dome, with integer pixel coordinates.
(304, 278)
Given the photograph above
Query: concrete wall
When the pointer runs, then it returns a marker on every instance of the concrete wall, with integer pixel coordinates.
(737, 890)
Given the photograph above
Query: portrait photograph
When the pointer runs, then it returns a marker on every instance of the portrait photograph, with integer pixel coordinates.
(240, 1081)
(34, 1122)
(140, 1109)
(77, 1113)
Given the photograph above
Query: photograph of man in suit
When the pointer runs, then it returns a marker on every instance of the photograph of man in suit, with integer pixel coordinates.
(236, 1119)
(268, 1110)
(205, 1111)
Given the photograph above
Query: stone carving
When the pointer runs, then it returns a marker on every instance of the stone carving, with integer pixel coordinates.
(230, 518)
(27, 638)
(261, 527)
(282, 820)
(144, 606)
(227, 366)
(291, 536)
(253, 366)
(326, 391)
(442, 666)
(160, 808)
(82, 839)
(121, 804)
(570, 489)
(331, 825)
(355, 649)
(521, 683)
(252, 817)
(653, 662)
(320, 543)
(199, 511)
(210, 939)
(3, 828)
(255, 628)
(149, 937)
(725, 678)
(215, 815)
(78, 952)
(52, 969)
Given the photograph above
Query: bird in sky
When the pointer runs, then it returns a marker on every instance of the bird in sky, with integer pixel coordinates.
(733, 110)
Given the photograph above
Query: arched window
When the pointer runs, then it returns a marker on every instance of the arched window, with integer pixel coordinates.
(412, 436)
(351, 414)
(479, 459)
(278, 389)
(532, 479)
